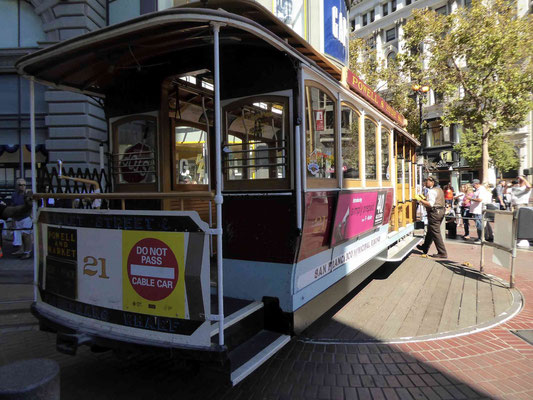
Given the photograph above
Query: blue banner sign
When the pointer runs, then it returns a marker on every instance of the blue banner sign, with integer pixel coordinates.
(336, 29)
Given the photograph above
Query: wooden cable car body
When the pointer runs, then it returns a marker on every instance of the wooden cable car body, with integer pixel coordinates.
(254, 164)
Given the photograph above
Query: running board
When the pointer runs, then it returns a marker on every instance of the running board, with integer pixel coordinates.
(237, 316)
(402, 251)
(249, 356)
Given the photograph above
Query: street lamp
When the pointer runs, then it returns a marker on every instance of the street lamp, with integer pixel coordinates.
(420, 91)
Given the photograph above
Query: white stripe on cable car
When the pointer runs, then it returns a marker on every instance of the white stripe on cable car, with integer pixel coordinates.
(152, 272)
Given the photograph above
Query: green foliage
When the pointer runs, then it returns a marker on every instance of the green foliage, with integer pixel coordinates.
(502, 153)
(480, 58)
(385, 77)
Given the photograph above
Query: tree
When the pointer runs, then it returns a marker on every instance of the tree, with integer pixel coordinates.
(480, 58)
(385, 77)
(502, 153)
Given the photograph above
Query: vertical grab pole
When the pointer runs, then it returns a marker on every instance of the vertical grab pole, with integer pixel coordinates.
(482, 260)
(303, 129)
(33, 186)
(300, 110)
(513, 251)
(298, 163)
(218, 195)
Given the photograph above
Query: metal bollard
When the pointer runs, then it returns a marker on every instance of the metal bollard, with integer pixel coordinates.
(36, 379)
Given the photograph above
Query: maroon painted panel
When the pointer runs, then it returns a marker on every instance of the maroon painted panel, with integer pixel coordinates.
(319, 211)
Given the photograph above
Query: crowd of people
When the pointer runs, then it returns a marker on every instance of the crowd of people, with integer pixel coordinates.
(468, 205)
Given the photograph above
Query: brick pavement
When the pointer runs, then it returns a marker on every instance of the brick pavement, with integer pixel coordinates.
(490, 364)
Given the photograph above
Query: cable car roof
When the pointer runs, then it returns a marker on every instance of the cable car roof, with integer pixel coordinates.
(90, 62)
(87, 63)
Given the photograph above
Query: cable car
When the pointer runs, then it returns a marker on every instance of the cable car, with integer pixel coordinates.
(257, 185)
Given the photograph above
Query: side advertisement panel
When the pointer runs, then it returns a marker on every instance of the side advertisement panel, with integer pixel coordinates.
(148, 271)
(332, 219)
(360, 212)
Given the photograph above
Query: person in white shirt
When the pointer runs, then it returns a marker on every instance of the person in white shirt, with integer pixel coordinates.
(477, 199)
(459, 199)
(520, 193)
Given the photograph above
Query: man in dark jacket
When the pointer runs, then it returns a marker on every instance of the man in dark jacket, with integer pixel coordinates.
(434, 204)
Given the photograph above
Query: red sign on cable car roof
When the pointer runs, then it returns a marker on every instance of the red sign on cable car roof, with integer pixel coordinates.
(360, 87)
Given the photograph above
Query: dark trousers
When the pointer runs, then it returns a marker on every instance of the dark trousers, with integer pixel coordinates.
(435, 218)
(465, 212)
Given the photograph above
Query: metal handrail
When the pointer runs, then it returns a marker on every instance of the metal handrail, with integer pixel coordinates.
(126, 196)
(511, 250)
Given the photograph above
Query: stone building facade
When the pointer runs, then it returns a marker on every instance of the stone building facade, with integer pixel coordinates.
(381, 23)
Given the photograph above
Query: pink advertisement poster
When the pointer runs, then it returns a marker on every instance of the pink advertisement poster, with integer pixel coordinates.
(358, 213)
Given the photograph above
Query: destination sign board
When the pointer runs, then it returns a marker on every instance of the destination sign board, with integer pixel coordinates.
(354, 82)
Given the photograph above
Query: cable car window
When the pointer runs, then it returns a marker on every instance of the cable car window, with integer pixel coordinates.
(385, 155)
(191, 154)
(320, 138)
(134, 157)
(370, 149)
(256, 140)
(399, 173)
(350, 143)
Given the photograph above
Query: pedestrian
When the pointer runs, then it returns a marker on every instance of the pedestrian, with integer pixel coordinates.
(23, 222)
(448, 195)
(435, 211)
(459, 200)
(480, 196)
(498, 194)
(465, 211)
(520, 194)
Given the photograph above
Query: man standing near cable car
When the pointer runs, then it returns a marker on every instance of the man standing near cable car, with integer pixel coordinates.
(434, 204)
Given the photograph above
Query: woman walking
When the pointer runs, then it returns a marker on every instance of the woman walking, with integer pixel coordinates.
(465, 210)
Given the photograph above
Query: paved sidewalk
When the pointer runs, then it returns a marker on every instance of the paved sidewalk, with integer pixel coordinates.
(491, 364)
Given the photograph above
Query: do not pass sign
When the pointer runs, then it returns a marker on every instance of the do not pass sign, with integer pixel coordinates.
(152, 269)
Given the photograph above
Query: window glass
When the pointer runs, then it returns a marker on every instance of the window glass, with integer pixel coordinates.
(370, 149)
(135, 159)
(364, 19)
(9, 23)
(399, 171)
(372, 16)
(385, 9)
(320, 145)
(30, 26)
(442, 10)
(350, 143)
(390, 35)
(147, 6)
(191, 156)
(9, 89)
(393, 5)
(122, 10)
(407, 2)
(164, 4)
(437, 134)
(256, 141)
(385, 155)
(41, 106)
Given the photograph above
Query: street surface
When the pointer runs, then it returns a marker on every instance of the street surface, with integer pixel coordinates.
(490, 364)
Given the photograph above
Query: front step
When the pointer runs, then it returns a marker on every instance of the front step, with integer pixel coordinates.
(401, 250)
(250, 355)
(242, 320)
